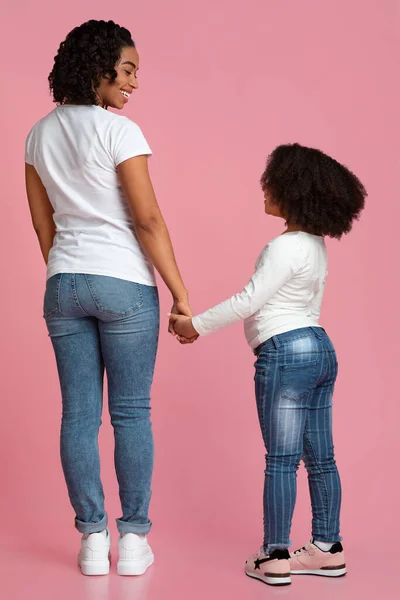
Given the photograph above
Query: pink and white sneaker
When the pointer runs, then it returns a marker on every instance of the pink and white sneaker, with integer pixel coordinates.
(273, 569)
(310, 560)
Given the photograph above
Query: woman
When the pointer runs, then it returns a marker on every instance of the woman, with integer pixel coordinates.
(101, 232)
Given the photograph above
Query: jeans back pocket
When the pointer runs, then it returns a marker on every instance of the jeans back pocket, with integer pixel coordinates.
(298, 379)
(51, 303)
(115, 297)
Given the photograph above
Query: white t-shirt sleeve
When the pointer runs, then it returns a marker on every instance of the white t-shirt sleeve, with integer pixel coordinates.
(278, 262)
(29, 148)
(127, 141)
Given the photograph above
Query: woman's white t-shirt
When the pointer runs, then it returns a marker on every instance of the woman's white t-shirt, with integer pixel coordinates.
(75, 151)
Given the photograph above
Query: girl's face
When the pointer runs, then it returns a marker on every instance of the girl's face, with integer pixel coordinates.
(270, 207)
(117, 93)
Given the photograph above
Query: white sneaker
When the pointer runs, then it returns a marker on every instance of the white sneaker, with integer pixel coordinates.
(135, 554)
(94, 557)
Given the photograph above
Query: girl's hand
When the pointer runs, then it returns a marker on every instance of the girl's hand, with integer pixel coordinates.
(182, 326)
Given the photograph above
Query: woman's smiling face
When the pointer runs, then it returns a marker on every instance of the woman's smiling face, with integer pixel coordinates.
(117, 93)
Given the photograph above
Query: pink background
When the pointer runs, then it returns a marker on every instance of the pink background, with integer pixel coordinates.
(221, 84)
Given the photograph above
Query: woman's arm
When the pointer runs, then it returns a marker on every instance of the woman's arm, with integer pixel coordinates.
(151, 229)
(41, 210)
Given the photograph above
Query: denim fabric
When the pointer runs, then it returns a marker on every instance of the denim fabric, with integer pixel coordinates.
(96, 323)
(294, 382)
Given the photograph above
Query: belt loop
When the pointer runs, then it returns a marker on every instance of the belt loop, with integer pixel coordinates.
(317, 331)
(275, 341)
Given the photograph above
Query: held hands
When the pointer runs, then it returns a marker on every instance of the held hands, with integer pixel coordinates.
(180, 326)
(179, 307)
(183, 328)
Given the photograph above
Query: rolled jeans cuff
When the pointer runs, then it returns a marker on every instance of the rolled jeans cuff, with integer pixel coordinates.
(128, 527)
(91, 527)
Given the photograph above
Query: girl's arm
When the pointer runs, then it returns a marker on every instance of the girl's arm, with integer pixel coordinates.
(41, 210)
(277, 264)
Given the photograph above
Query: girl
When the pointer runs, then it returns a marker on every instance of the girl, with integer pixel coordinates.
(296, 365)
(101, 232)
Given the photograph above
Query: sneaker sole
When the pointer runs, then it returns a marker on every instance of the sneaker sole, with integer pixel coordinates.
(95, 567)
(323, 572)
(276, 581)
(135, 567)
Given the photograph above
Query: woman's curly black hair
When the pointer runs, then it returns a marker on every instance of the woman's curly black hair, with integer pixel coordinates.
(88, 53)
(313, 190)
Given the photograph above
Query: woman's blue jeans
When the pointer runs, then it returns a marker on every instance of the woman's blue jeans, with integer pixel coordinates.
(99, 323)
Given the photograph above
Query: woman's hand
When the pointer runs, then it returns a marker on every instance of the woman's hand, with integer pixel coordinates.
(179, 307)
(183, 328)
